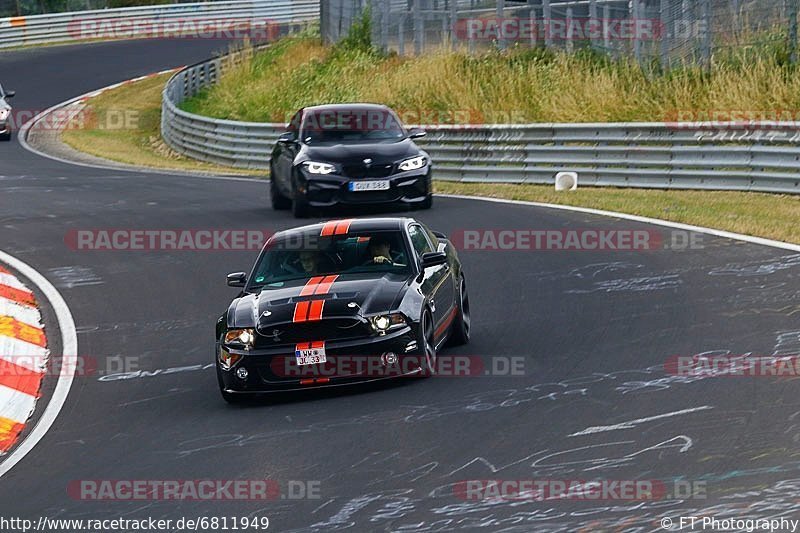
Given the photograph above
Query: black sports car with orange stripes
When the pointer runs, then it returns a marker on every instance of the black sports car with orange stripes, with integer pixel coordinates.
(342, 302)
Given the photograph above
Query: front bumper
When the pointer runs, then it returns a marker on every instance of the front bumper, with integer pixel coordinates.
(354, 361)
(410, 188)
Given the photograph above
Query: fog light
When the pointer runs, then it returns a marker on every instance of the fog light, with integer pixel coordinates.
(241, 372)
(389, 358)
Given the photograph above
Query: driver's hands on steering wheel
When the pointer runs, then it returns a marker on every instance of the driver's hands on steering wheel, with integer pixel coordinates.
(380, 259)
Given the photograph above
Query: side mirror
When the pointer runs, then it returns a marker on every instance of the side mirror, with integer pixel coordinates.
(439, 235)
(10, 94)
(416, 133)
(287, 138)
(237, 279)
(432, 259)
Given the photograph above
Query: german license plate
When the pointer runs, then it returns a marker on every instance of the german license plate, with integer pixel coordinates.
(369, 185)
(310, 356)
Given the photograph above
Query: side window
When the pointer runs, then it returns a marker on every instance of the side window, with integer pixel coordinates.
(434, 240)
(418, 240)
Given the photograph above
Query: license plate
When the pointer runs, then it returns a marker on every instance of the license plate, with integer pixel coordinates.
(310, 356)
(371, 185)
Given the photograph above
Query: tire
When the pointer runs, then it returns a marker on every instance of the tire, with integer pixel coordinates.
(299, 207)
(460, 329)
(426, 342)
(5, 136)
(279, 201)
(427, 203)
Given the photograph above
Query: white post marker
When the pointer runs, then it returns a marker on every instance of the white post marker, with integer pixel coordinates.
(566, 181)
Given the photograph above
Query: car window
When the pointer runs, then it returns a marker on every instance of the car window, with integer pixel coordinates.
(431, 237)
(418, 240)
(303, 255)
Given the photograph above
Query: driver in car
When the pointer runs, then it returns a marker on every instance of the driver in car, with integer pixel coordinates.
(380, 252)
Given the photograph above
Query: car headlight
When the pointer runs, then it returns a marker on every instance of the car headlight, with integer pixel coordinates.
(314, 167)
(4, 114)
(413, 164)
(383, 323)
(240, 337)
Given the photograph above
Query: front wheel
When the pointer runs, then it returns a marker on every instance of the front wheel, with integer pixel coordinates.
(299, 208)
(427, 345)
(459, 332)
(279, 201)
(427, 203)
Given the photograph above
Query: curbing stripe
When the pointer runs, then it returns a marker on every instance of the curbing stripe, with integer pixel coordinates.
(23, 357)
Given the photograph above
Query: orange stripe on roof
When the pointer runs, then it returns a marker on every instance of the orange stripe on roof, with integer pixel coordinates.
(9, 431)
(327, 229)
(325, 285)
(18, 295)
(315, 311)
(343, 226)
(20, 378)
(301, 311)
(309, 287)
(11, 327)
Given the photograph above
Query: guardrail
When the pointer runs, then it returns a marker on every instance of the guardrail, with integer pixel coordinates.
(718, 156)
(204, 19)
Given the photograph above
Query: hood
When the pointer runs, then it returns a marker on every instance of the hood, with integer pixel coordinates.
(379, 152)
(373, 293)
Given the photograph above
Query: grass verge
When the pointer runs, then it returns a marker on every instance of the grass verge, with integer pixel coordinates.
(759, 214)
(519, 85)
(123, 125)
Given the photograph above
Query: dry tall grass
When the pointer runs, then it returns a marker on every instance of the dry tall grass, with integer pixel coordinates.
(516, 86)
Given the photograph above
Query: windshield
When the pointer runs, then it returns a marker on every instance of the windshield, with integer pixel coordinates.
(351, 125)
(307, 254)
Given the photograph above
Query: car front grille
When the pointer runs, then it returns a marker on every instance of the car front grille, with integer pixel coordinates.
(272, 336)
(363, 171)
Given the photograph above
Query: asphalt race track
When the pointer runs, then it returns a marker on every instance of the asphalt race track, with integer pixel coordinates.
(594, 329)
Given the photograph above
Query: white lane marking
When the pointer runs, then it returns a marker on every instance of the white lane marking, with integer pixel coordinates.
(24, 354)
(630, 424)
(20, 313)
(16, 406)
(636, 218)
(69, 346)
(11, 281)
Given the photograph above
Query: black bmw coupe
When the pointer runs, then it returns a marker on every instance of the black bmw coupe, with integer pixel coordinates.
(342, 302)
(348, 154)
